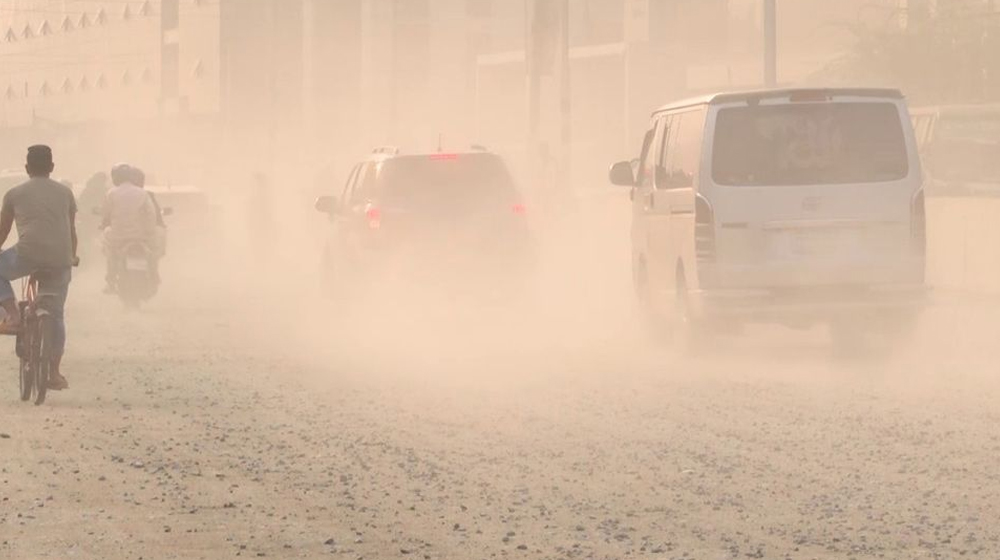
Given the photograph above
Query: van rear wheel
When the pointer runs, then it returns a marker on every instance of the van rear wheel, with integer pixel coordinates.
(688, 334)
(656, 327)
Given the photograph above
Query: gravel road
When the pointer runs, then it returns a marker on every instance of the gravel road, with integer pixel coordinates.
(216, 426)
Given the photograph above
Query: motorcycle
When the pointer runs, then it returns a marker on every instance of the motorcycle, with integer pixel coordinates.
(137, 277)
(136, 268)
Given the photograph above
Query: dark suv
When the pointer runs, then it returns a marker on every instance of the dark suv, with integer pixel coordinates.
(455, 217)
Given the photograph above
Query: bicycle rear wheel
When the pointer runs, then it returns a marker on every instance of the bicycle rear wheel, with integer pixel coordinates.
(26, 377)
(40, 341)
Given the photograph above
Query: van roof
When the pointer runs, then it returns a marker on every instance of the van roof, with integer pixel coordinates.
(737, 96)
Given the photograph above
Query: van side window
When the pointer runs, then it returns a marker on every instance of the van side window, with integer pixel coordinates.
(640, 168)
(664, 148)
(685, 149)
(650, 157)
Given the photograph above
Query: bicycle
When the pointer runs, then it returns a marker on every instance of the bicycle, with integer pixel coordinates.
(34, 342)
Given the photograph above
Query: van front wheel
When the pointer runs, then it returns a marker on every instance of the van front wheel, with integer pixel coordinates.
(689, 334)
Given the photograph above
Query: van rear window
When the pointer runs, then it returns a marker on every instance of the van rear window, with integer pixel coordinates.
(809, 144)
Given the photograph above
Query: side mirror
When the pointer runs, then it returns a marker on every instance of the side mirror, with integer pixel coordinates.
(621, 174)
(326, 204)
(167, 211)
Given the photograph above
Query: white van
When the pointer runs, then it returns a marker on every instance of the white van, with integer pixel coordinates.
(798, 207)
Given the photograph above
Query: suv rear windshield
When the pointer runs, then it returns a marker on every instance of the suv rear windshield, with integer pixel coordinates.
(439, 180)
(809, 144)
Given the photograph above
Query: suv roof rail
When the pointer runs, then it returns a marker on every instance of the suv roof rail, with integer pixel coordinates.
(387, 150)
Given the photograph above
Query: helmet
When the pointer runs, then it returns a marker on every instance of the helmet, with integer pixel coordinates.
(121, 173)
(138, 177)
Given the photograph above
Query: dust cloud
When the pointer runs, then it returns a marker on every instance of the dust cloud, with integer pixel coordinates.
(253, 407)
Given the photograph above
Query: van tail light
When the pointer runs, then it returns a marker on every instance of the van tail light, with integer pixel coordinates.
(374, 216)
(519, 209)
(704, 230)
(918, 223)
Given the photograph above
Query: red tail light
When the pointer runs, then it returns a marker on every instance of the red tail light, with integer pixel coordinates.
(443, 157)
(374, 216)
(519, 209)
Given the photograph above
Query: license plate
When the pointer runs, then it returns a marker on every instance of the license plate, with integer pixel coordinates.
(136, 264)
(805, 245)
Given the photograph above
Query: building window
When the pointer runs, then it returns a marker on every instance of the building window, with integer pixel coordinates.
(102, 17)
(84, 84)
(102, 82)
(10, 37)
(11, 94)
(67, 86)
(170, 14)
(146, 77)
(146, 9)
(84, 21)
(412, 42)
(67, 25)
(127, 13)
(27, 33)
(126, 78)
(45, 90)
(170, 71)
(479, 8)
(44, 29)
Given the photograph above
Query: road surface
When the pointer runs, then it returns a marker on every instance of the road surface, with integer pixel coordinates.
(229, 423)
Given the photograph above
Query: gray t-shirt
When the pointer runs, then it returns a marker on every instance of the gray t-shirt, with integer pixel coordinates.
(43, 211)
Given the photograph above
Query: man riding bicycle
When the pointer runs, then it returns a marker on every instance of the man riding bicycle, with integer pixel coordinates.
(129, 217)
(45, 214)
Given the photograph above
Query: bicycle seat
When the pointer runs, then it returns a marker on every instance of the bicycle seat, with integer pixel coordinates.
(43, 275)
(44, 279)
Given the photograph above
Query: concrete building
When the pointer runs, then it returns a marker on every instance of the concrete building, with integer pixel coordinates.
(260, 76)
(81, 74)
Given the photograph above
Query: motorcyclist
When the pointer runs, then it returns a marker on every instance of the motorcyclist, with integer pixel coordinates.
(129, 217)
(160, 248)
(139, 180)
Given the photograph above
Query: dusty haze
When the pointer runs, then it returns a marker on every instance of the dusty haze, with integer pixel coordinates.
(246, 412)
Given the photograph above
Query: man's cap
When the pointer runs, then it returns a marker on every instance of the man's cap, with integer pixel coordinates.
(40, 154)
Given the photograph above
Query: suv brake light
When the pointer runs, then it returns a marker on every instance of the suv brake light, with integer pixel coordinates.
(374, 216)
(519, 209)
